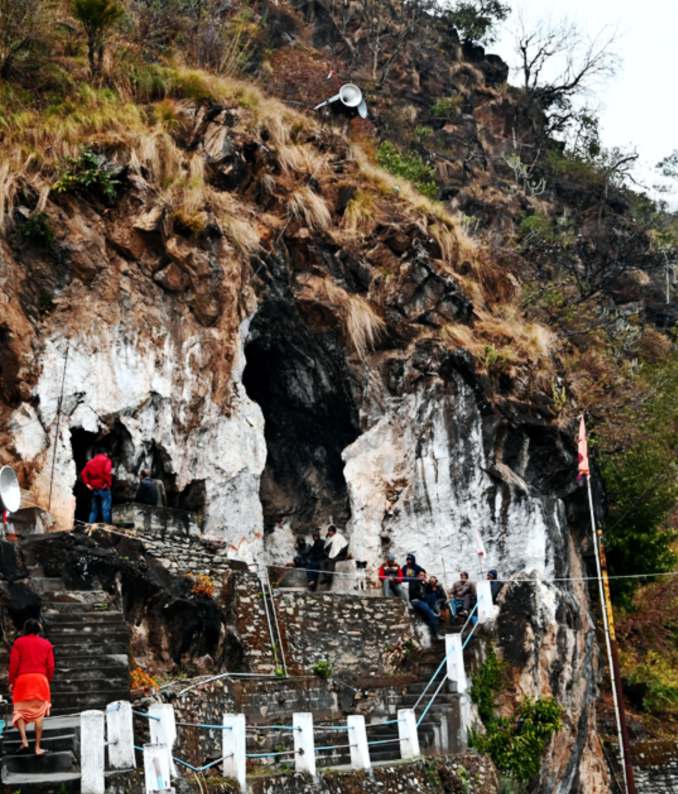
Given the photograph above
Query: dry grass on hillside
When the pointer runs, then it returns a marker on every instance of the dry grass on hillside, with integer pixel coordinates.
(138, 125)
(362, 325)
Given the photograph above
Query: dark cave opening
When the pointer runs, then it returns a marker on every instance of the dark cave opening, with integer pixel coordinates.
(117, 444)
(301, 381)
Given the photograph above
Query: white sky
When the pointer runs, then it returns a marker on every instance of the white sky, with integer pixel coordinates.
(638, 106)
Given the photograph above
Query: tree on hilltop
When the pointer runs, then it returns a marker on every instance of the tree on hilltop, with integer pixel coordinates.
(97, 17)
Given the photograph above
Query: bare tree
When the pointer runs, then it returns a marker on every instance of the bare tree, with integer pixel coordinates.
(380, 29)
(558, 63)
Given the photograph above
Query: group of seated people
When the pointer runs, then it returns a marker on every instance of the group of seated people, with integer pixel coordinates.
(321, 555)
(425, 595)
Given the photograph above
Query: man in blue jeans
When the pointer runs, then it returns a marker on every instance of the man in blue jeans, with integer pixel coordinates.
(97, 477)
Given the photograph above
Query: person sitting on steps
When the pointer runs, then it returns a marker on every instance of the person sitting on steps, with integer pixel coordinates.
(421, 603)
(463, 596)
(410, 570)
(391, 578)
(435, 596)
(31, 668)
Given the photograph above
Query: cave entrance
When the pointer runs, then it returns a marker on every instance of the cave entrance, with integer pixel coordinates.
(302, 384)
(118, 445)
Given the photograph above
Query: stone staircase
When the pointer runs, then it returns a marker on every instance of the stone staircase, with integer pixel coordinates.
(91, 647)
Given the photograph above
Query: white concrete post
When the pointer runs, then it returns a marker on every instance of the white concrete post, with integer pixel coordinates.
(233, 749)
(120, 731)
(486, 609)
(464, 721)
(407, 733)
(157, 773)
(304, 746)
(455, 661)
(163, 729)
(92, 743)
(357, 738)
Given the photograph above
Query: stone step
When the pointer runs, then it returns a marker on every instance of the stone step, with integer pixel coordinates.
(82, 674)
(19, 782)
(68, 703)
(46, 586)
(67, 684)
(103, 642)
(75, 659)
(65, 741)
(78, 600)
(70, 686)
(69, 646)
(93, 631)
(29, 763)
(68, 618)
(52, 726)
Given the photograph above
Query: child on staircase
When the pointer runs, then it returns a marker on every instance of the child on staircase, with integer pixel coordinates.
(31, 668)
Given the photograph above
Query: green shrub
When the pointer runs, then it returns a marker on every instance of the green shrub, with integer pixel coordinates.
(476, 20)
(89, 173)
(323, 669)
(486, 684)
(37, 231)
(517, 745)
(447, 107)
(408, 165)
(642, 484)
(576, 169)
(660, 679)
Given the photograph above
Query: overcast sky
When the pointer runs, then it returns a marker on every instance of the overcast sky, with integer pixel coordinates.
(639, 105)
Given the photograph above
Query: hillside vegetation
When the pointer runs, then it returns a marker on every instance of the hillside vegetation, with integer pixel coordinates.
(558, 267)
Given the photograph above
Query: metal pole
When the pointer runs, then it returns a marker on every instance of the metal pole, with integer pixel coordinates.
(628, 768)
(268, 617)
(629, 784)
(275, 620)
(58, 421)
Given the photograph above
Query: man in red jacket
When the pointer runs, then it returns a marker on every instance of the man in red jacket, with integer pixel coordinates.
(98, 478)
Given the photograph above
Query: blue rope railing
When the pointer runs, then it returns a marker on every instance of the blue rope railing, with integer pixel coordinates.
(465, 642)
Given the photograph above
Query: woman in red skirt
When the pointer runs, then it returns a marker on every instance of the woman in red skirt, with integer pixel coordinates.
(31, 668)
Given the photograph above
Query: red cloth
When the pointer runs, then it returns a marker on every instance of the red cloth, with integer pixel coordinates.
(383, 575)
(31, 654)
(31, 698)
(97, 472)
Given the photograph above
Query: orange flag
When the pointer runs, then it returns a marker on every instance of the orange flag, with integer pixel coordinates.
(583, 450)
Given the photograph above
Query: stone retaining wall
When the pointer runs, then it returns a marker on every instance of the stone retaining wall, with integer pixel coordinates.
(352, 633)
(174, 538)
(655, 767)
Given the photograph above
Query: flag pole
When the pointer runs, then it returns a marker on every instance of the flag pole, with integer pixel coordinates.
(610, 641)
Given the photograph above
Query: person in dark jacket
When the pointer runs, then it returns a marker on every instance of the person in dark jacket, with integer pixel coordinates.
(97, 477)
(410, 570)
(434, 595)
(495, 586)
(418, 599)
(315, 560)
(147, 492)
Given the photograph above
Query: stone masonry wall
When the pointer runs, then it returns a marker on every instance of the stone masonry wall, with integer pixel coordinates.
(352, 633)
(655, 767)
(174, 538)
(267, 702)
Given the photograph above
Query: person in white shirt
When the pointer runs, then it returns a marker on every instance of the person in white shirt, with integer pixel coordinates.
(336, 548)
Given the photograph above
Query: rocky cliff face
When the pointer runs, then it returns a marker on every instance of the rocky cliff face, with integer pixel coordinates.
(287, 358)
